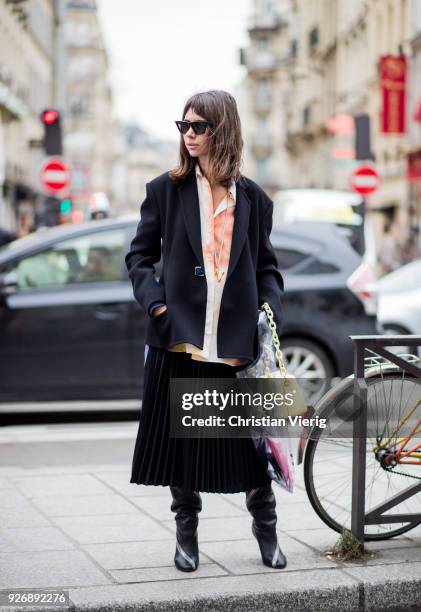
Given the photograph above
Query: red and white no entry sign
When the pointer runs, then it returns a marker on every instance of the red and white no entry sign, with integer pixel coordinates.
(364, 180)
(55, 174)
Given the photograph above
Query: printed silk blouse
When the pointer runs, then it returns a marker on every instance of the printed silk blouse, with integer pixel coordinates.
(212, 228)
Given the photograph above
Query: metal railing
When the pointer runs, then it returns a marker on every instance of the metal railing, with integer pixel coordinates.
(376, 516)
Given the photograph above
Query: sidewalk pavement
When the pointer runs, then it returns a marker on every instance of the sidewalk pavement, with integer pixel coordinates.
(110, 543)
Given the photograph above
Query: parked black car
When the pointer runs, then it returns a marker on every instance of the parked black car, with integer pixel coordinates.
(329, 295)
(71, 329)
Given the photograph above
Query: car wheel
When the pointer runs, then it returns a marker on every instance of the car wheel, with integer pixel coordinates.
(306, 359)
(309, 363)
(393, 329)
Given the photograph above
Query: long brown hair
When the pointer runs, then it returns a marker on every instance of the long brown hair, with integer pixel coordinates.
(225, 141)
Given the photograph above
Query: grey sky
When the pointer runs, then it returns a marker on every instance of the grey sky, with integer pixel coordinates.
(162, 51)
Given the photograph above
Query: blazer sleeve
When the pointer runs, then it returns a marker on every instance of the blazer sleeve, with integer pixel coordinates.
(270, 284)
(145, 251)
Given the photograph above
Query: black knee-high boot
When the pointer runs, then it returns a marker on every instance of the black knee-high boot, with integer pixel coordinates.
(186, 504)
(261, 504)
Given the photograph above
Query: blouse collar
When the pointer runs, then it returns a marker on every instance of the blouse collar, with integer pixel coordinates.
(231, 189)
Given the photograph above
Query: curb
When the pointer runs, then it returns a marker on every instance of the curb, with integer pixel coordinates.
(352, 595)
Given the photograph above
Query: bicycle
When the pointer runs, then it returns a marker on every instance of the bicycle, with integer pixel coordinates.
(393, 447)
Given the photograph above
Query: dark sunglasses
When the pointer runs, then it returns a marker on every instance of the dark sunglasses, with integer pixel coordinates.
(199, 127)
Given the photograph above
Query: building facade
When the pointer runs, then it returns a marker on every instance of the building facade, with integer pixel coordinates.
(265, 60)
(327, 71)
(27, 31)
(139, 158)
(88, 122)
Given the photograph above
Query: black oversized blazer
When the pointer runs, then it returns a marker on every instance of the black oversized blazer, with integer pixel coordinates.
(171, 211)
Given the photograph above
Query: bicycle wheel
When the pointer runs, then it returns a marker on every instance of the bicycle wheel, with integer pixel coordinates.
(328, 460)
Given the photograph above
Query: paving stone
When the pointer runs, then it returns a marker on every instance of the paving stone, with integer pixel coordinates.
(44, 569)
(115, 468)
(5, 483)
(298, 516)
(8, 472)
(81, 505)
(129, 555)
(325, 539)
(388, 556)
(217, 505)
(120, 483)
(243, 556)
(42, 486)
(22, 516)
(166, 573)
(11, 472)
(284, 498)
(415, 535)
(398, 542)
(10, 498)
(319, 539)
(158, 507)
(33, 538)
(236, 499)
(112, 528)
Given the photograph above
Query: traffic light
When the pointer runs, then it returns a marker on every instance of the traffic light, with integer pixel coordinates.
(65, 206)
(52, 132)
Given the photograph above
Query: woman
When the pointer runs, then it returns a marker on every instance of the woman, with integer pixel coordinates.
(218, 267)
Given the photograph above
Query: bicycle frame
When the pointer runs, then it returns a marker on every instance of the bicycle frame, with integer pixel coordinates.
(401, 452)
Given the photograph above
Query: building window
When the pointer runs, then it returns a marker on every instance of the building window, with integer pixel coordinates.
(82, 68)
(81, 34)
(263, 91)
(263, 44)
(80, 106)
(313, 37)
(262, 124)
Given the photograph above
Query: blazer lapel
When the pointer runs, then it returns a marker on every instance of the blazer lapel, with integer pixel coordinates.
(190, 205)
(241, 224)
(191, 212)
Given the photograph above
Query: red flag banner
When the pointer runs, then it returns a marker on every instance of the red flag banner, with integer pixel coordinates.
(393, 70)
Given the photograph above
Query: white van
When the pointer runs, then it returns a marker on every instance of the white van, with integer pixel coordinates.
(343, 208)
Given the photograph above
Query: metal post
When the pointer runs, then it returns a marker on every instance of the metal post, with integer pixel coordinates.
(359, 448)
(359, 444)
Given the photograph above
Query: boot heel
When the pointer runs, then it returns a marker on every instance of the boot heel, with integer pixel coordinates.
(186, 560)
(277, 560)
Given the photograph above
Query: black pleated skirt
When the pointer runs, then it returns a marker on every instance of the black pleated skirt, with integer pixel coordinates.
(215, 465)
